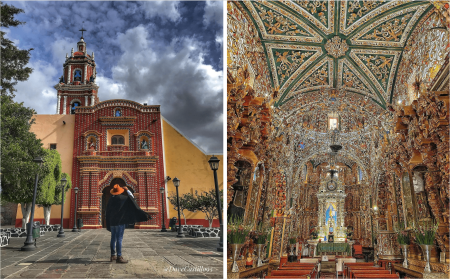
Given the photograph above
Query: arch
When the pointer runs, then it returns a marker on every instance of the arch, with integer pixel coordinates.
(74, 104)
(117, 112)
(130, 181)
(75, 75)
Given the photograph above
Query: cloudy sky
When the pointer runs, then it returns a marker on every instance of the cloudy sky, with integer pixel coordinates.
(166, 53)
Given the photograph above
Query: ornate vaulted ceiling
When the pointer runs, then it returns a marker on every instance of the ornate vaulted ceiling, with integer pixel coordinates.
(329, 59)
(350, 45)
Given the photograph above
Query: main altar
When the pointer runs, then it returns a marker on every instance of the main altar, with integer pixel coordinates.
(331, 197)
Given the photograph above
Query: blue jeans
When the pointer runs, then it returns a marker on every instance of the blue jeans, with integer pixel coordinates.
(116, 239)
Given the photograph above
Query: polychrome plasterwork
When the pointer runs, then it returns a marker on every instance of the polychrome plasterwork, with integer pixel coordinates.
(319, 77)
(310, 10)
(273, 65)
(391, 30)
(244, 49)
(284, 19)
(422, 58)
(349, 78)
(366, 9)
(383, 62)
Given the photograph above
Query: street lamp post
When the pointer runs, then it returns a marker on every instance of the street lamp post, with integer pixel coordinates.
(29, 243)
(161, 190)
(214, 164)
(74, 229)
(176, 182)
(63, 188)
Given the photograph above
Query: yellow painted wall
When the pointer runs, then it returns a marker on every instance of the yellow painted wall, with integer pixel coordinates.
(51, 129)
(189, 164)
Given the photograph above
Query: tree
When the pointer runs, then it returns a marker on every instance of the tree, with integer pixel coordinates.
(184, 203)
(57, 196)
(14, 60)
(48, 181)
(18, 149)
(206, 203)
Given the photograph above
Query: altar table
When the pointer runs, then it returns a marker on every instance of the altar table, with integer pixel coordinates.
(333, 248)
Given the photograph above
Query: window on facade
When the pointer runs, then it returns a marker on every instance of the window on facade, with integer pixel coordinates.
(77, 75)
(52, 146)
(74, 106)
(117, 140)
(118, 113)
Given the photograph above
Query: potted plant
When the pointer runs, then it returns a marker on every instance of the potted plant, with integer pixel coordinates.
(292, 241)
(404, 241)
(260, 239)
(237, 234)
(424, 236)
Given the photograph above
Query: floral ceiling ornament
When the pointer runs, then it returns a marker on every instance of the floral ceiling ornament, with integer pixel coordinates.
(336, 47)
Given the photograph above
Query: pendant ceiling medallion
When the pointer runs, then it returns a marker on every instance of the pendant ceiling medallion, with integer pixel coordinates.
(336, 47)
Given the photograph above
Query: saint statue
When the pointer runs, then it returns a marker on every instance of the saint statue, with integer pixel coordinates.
(144, 145)
(92, 144)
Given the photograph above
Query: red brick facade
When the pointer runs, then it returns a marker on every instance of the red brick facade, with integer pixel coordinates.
(97, 159)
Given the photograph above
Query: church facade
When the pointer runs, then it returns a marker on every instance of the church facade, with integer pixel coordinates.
(103, 143)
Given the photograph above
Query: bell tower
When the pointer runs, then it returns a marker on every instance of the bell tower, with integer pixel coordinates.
(77, 85)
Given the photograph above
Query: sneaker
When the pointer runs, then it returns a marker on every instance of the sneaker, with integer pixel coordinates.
(120, 259)
(113, 258)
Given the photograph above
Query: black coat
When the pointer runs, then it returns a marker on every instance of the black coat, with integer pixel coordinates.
(123, 210)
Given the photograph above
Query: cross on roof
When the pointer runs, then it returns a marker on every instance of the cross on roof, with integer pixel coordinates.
(82, 30)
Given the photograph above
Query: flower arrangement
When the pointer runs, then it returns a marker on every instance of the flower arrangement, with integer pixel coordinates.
(402, 235)
(261, 235)
(292, 240)
(314, 233)
(237, 232)
(425, 234)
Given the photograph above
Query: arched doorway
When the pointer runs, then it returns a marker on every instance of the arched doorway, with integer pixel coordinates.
(107, 194)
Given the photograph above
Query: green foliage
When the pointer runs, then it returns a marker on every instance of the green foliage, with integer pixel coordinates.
(14, 60)
(206, 202)
(51, 177)
(58, 188)
(402, 235)
(425, 233)
(261, 234)
(292, 240)
(237, 233)
(18, 149)
(173, 201)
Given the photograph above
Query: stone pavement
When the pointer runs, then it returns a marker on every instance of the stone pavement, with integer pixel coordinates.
(150, 254)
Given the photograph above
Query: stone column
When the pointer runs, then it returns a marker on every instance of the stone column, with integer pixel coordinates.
(65, 104)
(86, 101)
(85, 73)
(69, 75)
(92, 100)
(58, 105)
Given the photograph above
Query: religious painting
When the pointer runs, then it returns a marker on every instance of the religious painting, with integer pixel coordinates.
(239, 199)
(408, 206)
(331, 216)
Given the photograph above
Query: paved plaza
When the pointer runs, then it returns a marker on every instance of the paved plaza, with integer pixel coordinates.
(151, 254)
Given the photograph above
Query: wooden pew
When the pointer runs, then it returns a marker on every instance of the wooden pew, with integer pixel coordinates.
(347, 265)
(353, 269)
(384, 276)
(360, 272)
(291, 273)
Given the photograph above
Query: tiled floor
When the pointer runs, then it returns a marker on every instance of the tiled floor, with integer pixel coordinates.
(86, 254)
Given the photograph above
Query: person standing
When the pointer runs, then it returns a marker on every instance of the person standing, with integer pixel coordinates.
(121, 210)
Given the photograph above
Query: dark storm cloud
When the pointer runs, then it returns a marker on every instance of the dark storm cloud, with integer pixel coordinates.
(160, 52)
